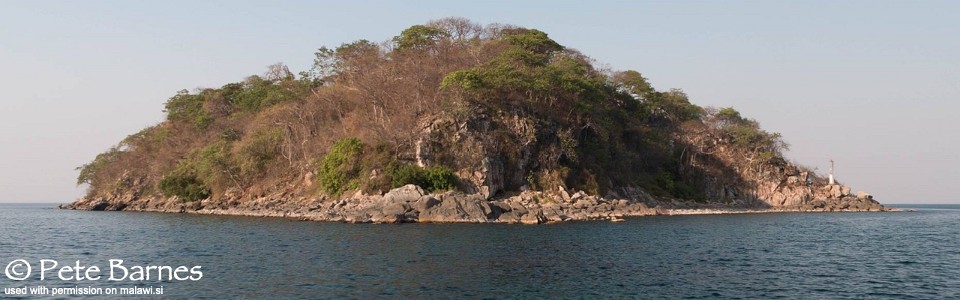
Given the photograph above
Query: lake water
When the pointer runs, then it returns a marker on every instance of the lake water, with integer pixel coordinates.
(815, 255)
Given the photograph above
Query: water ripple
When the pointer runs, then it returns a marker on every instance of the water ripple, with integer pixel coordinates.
(835, 256)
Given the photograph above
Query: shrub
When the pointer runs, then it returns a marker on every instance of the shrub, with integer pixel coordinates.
(430, 179)
(212, 165)
(184, 185)
(341, 166)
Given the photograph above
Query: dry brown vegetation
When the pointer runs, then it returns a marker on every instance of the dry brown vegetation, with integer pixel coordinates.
(589, 129)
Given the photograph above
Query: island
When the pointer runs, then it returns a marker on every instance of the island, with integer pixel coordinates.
(452, 121)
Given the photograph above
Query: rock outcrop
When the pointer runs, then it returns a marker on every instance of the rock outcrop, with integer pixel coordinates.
(412, 204)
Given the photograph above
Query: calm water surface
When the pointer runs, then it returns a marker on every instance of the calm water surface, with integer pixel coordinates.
(817, 255)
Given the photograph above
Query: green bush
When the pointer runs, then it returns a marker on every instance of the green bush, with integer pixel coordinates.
(430, 179)
(340, 168)
(184, 185)
(211, 164)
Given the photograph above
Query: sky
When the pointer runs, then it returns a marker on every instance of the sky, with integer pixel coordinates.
(873, 85)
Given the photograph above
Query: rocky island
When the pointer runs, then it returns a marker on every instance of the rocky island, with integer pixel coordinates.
(452, 121)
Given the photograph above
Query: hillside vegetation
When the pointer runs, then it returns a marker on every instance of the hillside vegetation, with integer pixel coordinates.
(448, 105)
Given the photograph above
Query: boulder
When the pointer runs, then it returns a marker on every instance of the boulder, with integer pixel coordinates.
(407, 193)
(426, 203)
(395, 209)
(563, 194)
(475, 208)
(378, 217)
(470, 208)
(552, 214)
(578, 195)
(864, 195)
(836, 191)
(534, 216)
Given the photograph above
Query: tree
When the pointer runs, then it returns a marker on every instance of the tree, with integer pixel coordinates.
(459, 29)
(419, 37)
(633, 83)
(531, 39)
(675, 106)
(277, 72)
(728, 115)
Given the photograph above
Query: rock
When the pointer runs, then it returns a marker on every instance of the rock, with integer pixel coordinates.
(585, 202)
(379, 217)
(864, 195)
(469, 208)
(793, 180)
(517, 207)
(552, 213)
(845, 190)
(358, 194)
(395, 209)
(509, 218)
(426, 203)
(818, 203)
(407, 193)
(835, 191)
(492, 179)
(578, 195)
(563, 194)
(533, 217)
(99, 206)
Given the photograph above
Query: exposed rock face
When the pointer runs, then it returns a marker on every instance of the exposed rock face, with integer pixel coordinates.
(481, 161)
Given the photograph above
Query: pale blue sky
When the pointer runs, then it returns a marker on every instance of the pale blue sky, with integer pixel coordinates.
(872, 84)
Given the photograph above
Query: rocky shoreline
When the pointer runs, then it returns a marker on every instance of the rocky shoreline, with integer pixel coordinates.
(412, 204)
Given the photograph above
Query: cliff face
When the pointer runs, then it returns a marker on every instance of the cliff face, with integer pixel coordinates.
(495, 124)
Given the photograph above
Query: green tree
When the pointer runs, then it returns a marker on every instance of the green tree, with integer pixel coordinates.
(186, 107)
(633, 83)
(88, 172)
(341, 166)
(419, 37)
(531, 40)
